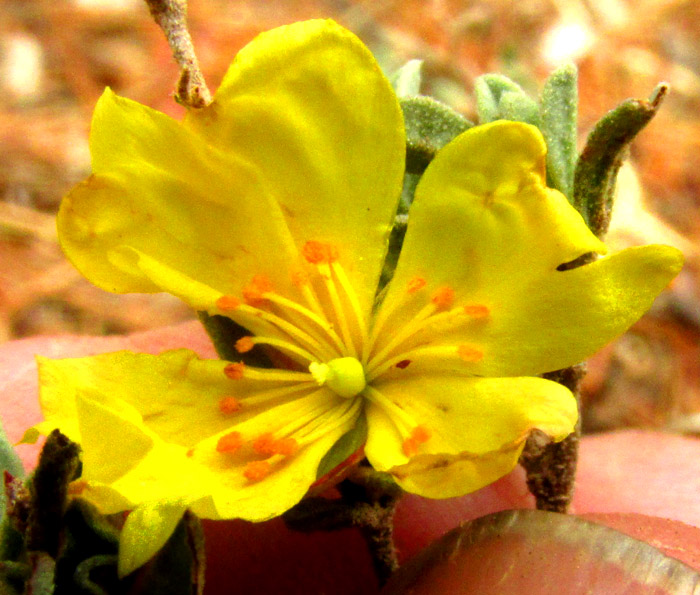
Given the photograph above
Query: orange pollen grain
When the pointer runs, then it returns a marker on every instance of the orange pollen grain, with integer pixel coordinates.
(470, 354)
(300, 278)
(421, 434)
(285, 446)
(410, 447)
(254, 293)
(228, 302)
(235, 371)
(229, 405)
(229, 443)
(415, 284)
(244, 344)
(477, 310)
(190, 453)
(319, 252)
(265, 444)
(256, 470)
(444, 297)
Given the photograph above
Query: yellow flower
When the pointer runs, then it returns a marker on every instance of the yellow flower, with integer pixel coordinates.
(273, 206)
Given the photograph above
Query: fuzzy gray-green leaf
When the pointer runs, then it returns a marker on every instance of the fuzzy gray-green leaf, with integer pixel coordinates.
(558, 116)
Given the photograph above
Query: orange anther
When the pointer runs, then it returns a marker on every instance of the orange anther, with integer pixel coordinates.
(319, 252)
(415, 284)
(254, 293)
(470, 354)
(244, 344)
(410, 447)
(421, 434)
(285, 446)
(300, 278)
(229, 443)
(444, 297)
(265, 444)
(228, 302)
(256, 470)
(229, 405)
(190, 453)
(477, 310)
(235, 371)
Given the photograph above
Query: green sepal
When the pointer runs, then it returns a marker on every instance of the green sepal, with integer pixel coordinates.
(558, 123)
(59, 464)
(430, 125)
(598, 164)
(406, 80)
(178, 568)
(9, 463)
(347, 445)
(499, 98)
(224, 333)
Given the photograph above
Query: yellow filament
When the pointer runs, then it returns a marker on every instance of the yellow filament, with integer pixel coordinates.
(320, 350)
(276, 375)
(325, 271)
(285, 346)
(356, 308)
(329, 421)
(276, 393)
(407, 331)
(404, 421)
(308, 314)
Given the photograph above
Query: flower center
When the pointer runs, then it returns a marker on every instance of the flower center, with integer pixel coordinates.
(345, 376)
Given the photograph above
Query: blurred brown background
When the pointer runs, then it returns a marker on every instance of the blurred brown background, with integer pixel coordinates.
(56, 56)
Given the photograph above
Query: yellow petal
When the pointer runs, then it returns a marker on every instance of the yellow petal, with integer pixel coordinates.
(308, 105)
(160, 190)
(483, 221)
(476, 427)
(176, 393)
(556, 319)
(146, 530)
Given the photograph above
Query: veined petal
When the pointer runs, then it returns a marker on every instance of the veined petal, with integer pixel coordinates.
(473, 428)
(555, 320)
(315, 422)
(175, 394)
(483, 221)
(163, 191)
(308, 105)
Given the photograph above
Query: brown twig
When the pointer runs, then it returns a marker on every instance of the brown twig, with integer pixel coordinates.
(171, 16)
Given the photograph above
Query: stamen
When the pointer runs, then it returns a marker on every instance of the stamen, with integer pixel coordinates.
(254, 294)
(325, 271)
(328, 422)
(355, 304)
(322, 351)
(312, 316)
(283, 345)
(398, 415)
(319, 252)
(245, 344)
(285, 446)
(415, 284)
(235, 371)
(419, 435)
(443, 298)
(238, 370)
(256, 470)
(229, 443)
(477, 310)
(228, 302)
(228, 405)
(470, 354)
(263, 444)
